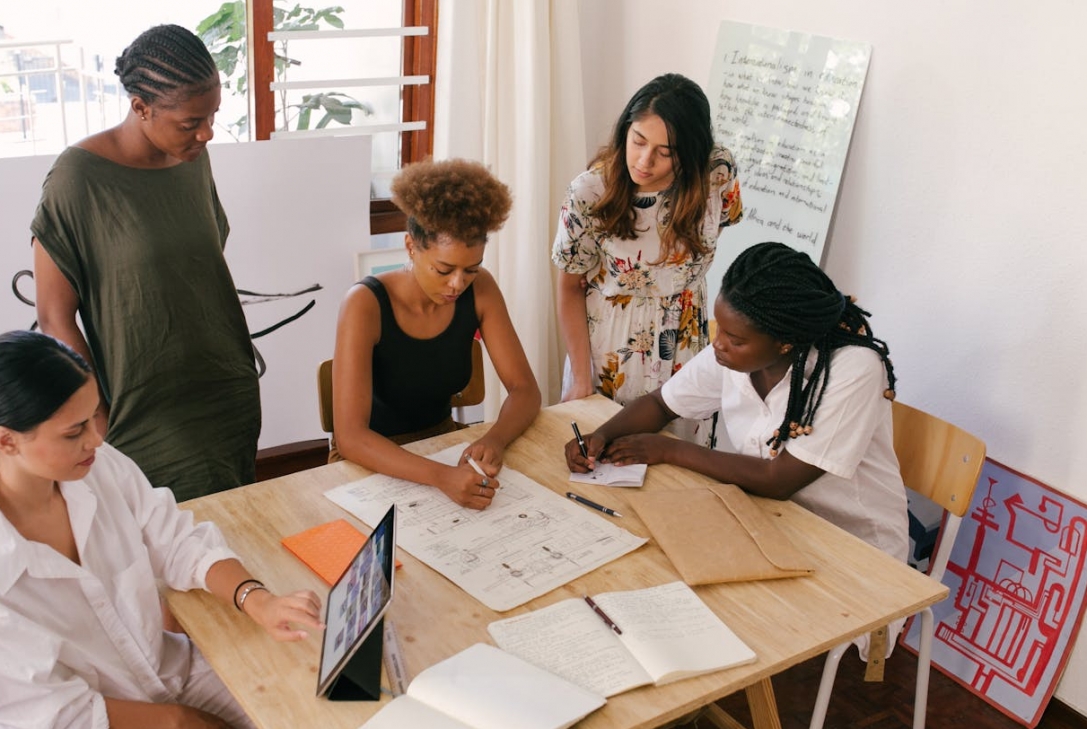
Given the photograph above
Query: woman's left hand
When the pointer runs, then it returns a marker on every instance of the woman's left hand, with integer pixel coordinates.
(276, 613)
(486, 454)
(640, 448)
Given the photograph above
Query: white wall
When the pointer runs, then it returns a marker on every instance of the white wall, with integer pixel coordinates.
(961, 221)
(283, 239)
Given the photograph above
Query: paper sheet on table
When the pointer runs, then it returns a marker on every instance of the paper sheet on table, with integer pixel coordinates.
(608, 474)
(529, 541)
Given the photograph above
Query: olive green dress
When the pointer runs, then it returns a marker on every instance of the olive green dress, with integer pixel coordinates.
(143, 250)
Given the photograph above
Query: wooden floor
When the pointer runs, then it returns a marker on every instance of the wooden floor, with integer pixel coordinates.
(886, 705)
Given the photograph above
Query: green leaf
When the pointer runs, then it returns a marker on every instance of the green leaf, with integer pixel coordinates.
(303, 118)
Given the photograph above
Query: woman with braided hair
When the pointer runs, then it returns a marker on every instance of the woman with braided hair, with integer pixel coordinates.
(804, 390)
(129, 235)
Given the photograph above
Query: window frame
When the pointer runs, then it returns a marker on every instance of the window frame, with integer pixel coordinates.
(417, 101)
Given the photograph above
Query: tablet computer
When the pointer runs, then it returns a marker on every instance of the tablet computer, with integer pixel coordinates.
(358, 601)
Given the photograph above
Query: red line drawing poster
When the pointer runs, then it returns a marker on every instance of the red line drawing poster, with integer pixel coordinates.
(1017, 579)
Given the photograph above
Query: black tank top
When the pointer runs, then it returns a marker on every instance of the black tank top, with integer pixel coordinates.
(415, 378)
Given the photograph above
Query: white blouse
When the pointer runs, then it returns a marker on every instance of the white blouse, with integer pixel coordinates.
(851, 438)
(73, 633)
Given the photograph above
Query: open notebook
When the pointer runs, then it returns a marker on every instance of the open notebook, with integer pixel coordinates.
(483, 687)
(668, 633)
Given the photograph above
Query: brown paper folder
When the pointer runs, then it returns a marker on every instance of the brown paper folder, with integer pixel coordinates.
(718, 534)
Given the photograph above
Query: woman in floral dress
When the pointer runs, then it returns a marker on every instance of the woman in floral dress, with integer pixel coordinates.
(636, 236)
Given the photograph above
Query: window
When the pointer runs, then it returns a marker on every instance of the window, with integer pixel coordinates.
(380, 67)
(56, 66)
(356, 67)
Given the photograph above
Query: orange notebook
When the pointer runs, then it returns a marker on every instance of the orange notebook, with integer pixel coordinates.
(327, 549)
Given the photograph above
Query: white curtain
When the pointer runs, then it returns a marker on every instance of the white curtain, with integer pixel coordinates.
(509, 95)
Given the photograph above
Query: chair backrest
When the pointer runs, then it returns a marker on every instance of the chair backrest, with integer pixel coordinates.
(941, 462)
(472, 394)
(938, 460)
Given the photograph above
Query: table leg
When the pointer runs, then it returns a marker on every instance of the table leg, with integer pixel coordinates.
(764, 708)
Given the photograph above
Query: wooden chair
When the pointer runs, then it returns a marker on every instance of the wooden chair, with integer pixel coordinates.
(473, 394)
(943, 463)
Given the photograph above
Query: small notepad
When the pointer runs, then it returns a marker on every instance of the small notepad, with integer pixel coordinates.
(608, 474)
(326, 549)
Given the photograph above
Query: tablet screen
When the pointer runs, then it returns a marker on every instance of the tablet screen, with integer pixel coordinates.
(358, 600)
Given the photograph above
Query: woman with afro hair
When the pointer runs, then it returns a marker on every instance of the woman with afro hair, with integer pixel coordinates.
(404, 337)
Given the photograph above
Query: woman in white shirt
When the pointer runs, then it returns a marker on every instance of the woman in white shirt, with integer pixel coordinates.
(804, 391)
(83, 538)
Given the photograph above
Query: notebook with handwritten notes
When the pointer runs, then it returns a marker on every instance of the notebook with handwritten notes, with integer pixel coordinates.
(626, 639)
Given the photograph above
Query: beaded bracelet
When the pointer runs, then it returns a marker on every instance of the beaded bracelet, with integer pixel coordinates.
(242, 584)
(245, 593)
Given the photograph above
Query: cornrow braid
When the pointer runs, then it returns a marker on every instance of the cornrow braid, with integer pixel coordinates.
(165, 61)
(787, 296)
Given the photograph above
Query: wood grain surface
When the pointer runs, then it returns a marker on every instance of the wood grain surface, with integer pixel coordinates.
(855, 588)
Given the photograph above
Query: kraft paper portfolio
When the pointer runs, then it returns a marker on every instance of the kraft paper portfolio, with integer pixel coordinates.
(718, 534)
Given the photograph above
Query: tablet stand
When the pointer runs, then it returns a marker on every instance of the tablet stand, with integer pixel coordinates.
(360, 679)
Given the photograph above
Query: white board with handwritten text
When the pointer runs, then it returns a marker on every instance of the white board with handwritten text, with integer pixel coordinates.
(784, 102)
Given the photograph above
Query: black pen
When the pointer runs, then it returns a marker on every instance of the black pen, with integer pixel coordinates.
(580, 440)
(591, 504)
(603, 615)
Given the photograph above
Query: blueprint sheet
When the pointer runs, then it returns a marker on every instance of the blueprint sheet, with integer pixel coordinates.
(529, 541)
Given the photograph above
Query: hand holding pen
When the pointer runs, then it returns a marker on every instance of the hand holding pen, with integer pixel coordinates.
(581, 452)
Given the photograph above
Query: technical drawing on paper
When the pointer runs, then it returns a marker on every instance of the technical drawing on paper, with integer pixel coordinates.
(529, 541)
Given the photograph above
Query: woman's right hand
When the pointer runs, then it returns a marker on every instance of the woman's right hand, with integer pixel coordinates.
(594, 446)
(465, 487)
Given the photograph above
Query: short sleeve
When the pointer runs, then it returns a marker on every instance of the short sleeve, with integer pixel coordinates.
(725, 188)
(576, 249)
(695, 391)
(56, 223)
(851, 409)
(220, 213)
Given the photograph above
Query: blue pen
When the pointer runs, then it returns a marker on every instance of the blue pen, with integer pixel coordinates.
(592, 504)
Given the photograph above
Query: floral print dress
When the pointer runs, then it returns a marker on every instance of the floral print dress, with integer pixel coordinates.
(646, 318)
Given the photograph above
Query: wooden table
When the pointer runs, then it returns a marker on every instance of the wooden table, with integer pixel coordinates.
(855, 589)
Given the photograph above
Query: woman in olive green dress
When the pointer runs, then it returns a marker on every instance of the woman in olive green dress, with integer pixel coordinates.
(129, 235)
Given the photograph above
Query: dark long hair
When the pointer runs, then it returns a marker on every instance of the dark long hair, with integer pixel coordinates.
(37, 376)
(785, 295)
(685, 111)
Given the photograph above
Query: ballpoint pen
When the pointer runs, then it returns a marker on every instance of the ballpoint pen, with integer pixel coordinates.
(603, 615)
(580, 440)
(592, 504)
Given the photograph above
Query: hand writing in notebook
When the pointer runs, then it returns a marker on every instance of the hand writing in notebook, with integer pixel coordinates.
(583, 451)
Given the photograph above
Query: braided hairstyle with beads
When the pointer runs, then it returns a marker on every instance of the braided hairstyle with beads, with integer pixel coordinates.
(166, 64)
(784, 294)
